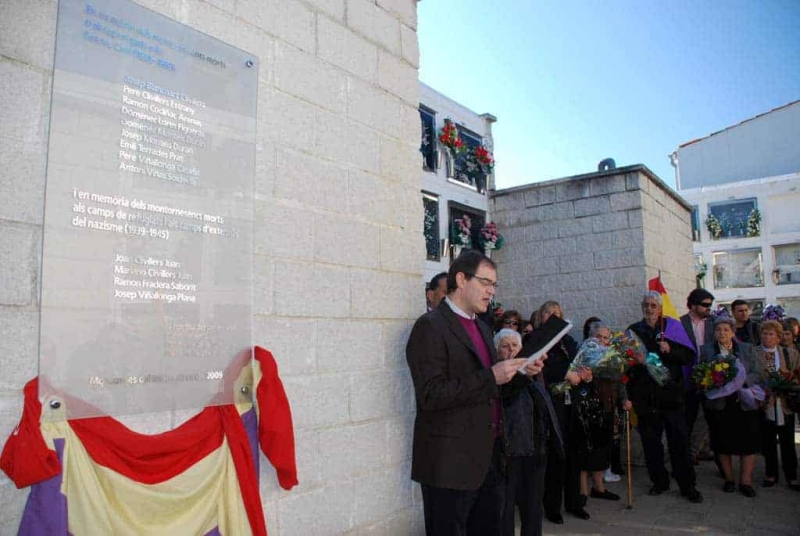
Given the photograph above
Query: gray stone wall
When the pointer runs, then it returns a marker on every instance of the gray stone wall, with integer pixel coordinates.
(339, 248)
(591, 242)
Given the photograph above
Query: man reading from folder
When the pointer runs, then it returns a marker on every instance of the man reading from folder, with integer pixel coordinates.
(457, 447)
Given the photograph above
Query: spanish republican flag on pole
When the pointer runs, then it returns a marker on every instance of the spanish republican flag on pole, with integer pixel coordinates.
(667, 308)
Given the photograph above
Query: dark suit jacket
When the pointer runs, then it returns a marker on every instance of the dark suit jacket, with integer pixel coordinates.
(709, 335)
(746, 355)
(455, 394)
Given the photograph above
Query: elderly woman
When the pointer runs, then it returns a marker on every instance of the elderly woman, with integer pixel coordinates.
(594, 401)
(528, 421)
(562, 476)
(734, 430)
(508, 320)
(778, 421)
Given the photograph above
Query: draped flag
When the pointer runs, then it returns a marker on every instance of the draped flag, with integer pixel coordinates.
(672, 328)
(95, 476)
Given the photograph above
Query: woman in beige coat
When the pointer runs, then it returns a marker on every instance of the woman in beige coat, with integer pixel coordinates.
(777, 425)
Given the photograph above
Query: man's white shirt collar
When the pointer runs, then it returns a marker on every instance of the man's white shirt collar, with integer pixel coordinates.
(457, 310)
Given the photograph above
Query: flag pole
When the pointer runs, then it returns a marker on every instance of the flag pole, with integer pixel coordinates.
(628, 449)
(662, 310)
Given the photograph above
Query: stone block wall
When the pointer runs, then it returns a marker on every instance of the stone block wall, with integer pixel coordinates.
(591, 242)
(338, 244)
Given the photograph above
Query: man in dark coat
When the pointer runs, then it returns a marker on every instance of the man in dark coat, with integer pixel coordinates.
(660, 408)
(746, 329)
(457, 454)
(700, 327)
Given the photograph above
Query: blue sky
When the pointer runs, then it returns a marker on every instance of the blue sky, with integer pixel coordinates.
(573, 82)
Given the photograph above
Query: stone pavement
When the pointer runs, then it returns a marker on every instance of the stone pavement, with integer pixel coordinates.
(774, 512)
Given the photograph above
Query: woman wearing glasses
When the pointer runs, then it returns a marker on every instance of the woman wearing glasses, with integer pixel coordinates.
(508, 320)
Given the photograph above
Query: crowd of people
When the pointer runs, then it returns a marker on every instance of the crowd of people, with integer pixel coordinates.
(495, 432)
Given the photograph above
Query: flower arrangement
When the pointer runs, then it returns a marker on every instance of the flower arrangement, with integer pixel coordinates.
(720, 310)
(489, 238)
(480, 159)
(449, 138)
(714, 226)
(608, 361)
(715, 374)
(773, 312)
(754, 223)
(461, 231)
(700, 270)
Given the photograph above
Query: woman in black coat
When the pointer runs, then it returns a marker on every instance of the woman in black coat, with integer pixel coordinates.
(734, 430)
(562, 476)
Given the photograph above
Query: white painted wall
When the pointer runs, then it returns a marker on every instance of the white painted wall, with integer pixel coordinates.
(764, 146)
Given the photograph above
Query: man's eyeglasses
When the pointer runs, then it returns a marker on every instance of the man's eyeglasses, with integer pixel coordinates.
(707, 305)
(510, 322)
(486, 282)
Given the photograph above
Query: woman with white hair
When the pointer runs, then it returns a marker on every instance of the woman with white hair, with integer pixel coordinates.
(528, 420)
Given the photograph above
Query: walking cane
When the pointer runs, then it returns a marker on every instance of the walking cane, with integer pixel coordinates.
(628, 449)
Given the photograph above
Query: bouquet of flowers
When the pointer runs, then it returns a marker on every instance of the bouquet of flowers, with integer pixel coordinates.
(773, 312)
(714, 226)
(608, 361)
(489, 237)
(461, 232)
(480, 159)
(787, 385)
(449, 138)
(716, 374)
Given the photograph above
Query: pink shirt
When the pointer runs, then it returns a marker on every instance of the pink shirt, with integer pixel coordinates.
(486, 359)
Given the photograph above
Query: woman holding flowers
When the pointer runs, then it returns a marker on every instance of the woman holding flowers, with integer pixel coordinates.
(729, 402)
(778, 422)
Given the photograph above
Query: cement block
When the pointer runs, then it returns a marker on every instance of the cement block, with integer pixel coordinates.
(610, 222)
(375, 108)
(25, 102)
(22, 179)
(594, 241)
(288, 120)
(570, 190)
(405, 10)
(607, 185)
(380, 394)
(208, 19)
(18, 41)
(283, 230)
(395, 337)
(401, 250)
(332, 8)
(347, 142)
(627, 238)
(374, 23)
(312, 290)
(288, 20)
(538, 195)
(558, 247)
(409, 43)
(19, 251)
(635, 219)
(304, 76)
(13, 501)
(280, 335)
(398, 297)
(339, 239)
(535, 232)
(398, 77)
(306, 179)
(575, 227)
(342, 47)
(626, 200)
(352, 450)
(580, 262)
(591, 206)
(263, 285)
(380, 494)
(344, 345)
(376, 199)
(400, 435)
(402, 523)
(399, 160)
(300, 513)
(318, 401)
